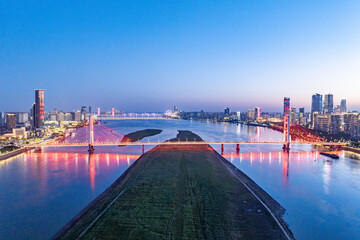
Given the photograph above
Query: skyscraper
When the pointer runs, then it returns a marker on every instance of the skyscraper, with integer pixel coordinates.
(83, 110)
(226, 112)
(257, 112)
(302, 112)
(39, 108)
(250, 115)
(10, 120)
(286, 106)
(343, 106)
(316, 103)
(329, 104)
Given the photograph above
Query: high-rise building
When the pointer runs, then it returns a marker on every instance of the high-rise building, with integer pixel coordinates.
(316, 106)
(226, 112)
(83, 113)
(250, 115)
(39, 108)
(90, 110)
(77, 116)
(257, 112)
(238, 115)
(22, 117)
(322, 123)
(60, 117)
(286, 106)
(68, 117)
(302, 112)
(302, 117)
(316, 103)
(2, 118)
(293, 115)
(335, 124)
(83, 110)
(10, 120)
(329, 104)
(352, 125)
(343, 106)
(337, 109)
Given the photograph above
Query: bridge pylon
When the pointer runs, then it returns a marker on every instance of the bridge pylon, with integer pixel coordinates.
(91, 135)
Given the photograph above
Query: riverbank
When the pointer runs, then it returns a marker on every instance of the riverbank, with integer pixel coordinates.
(180, 191)
(14, 153)
(350, 149)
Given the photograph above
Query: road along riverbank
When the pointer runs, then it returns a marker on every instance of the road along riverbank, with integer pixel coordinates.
(180, 192)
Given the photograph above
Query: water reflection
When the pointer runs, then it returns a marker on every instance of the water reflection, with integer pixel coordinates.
(59, 184)
(285, 167)
(317, 192)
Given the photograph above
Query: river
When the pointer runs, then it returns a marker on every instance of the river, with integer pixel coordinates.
(41, 191)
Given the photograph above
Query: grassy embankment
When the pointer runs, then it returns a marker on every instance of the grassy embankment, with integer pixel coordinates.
(179, 192)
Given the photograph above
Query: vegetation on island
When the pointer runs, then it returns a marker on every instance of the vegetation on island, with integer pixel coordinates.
(139, 135)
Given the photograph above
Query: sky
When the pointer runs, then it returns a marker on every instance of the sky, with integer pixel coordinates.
(146, 56)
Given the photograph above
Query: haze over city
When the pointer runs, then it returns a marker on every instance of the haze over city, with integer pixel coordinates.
(150, 55)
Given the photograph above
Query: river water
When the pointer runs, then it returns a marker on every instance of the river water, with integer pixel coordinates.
(41, 191)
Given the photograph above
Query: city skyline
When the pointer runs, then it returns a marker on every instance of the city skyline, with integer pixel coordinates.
(146, 56)
(308, 109)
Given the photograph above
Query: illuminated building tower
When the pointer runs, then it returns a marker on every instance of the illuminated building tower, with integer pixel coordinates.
(286, 106)
(329, 104)
(335, 124)
(83, 110)
(113, 111)
(286, 145)
(352, 125)
(39, 108)
(343, 106)
(10, 120)
(2, 118)
(257, 113)
(250, 115)
(77, 116)
(293, 115)
(322, 123)
(226, 112)
(316, 105)
(238, 114)
(302, 117)
(83, 113)
(98, 112)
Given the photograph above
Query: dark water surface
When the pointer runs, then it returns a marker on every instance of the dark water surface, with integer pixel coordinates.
(41, 192)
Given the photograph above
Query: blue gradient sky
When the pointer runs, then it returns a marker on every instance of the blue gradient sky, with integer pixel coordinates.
(151, 55)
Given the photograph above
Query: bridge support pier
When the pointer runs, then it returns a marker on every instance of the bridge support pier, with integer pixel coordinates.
(91, 135)
(143, 149)
(222, 149)
(91, 149)
(237, 148)
(286, 147)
